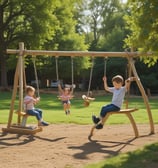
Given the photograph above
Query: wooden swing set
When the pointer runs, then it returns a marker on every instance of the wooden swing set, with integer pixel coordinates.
(20, 84)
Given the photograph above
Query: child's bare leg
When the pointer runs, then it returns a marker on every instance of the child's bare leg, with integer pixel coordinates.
(67, 108)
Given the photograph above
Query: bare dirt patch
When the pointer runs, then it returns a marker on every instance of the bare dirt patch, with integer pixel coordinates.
(67, 145)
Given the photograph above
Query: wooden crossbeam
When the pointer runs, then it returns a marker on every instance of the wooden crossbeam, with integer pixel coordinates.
(78, 53)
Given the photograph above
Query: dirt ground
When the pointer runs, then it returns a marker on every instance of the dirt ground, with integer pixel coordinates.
(68, 146)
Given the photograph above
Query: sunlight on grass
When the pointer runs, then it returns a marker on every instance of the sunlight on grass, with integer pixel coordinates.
(143, 158)
(53, 110)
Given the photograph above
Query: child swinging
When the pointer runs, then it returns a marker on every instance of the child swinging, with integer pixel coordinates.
(65, 96)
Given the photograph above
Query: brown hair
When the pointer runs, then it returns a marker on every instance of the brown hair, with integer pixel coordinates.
(118, 79)
(29, 89)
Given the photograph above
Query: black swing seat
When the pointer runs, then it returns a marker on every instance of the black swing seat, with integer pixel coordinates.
(127, 112)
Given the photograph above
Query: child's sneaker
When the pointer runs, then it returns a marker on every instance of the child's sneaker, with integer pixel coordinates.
(43, 123)
(95, 119)
(99, 126)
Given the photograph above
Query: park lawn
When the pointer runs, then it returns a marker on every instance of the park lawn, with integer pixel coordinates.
(142, 158)
(53, 111)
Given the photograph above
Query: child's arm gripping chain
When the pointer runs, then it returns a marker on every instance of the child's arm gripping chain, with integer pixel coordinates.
(60, 89)
(105, 84)
(128, 82)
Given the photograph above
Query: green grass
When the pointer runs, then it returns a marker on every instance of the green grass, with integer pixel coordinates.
(142, 158)
(53, 110)
(53, 113)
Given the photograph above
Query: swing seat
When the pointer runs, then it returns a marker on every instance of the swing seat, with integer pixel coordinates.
(127, 112)
(24, 117)
(86, 103)
(16, 129)
(22, 129)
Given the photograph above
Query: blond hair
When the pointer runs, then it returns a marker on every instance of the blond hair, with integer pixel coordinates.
(30, 89)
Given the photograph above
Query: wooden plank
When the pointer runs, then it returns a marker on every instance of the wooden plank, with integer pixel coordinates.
(79, 53)
(21, 79)
(124, 111)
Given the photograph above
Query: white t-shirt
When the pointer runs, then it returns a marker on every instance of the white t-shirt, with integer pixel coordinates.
(118, 96)
(29, 102)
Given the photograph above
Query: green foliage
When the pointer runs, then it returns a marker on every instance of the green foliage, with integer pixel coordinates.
(66, 37)
(113, 41)
(32, 23)
(148, 75)
(42, 24)
(143, 23)
(103, 18)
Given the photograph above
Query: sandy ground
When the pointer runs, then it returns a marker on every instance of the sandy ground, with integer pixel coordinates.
(68, 146)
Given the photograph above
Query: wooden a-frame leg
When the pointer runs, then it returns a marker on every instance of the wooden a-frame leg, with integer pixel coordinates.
(133, 124)
(94, 126)
(107, 116)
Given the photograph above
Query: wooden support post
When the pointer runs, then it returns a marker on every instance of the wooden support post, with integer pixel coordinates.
(18, 78)
(129, 74)
(145, 98)
(13, 95)
(133, 124)
(21, 79)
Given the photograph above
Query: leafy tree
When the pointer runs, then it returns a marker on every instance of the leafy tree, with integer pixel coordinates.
(104, 27)
(100, 19)
(143, 23)
(24, 21)
(43, 24)
(67, 38)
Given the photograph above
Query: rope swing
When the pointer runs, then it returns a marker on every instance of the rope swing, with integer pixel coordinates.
(87, 97)
(36, 76)
(105, 65)
(57, 70)
(90, 78)
(72, 74)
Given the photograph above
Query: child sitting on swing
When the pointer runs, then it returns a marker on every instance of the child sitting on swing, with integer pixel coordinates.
(118, 91)
(65, 96)
(29, 102)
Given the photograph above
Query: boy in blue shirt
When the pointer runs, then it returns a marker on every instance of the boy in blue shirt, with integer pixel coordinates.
(118, 91)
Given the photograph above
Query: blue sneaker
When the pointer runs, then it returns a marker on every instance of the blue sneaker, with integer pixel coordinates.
(44, 123)
(95, 119)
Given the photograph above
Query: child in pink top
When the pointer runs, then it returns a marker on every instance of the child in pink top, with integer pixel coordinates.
(29, 102)
(65, 96)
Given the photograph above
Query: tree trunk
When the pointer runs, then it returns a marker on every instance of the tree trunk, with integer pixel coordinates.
(3, 56)
(4, 83)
